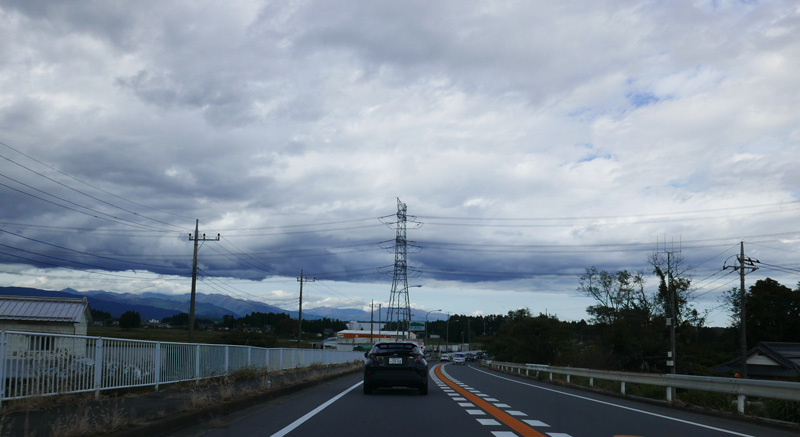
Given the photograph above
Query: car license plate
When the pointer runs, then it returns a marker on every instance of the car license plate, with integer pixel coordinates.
(395, 360)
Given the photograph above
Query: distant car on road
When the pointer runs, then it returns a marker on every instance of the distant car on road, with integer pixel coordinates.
(470, 357)
(395, 364)
(459, 359)
(445, 357)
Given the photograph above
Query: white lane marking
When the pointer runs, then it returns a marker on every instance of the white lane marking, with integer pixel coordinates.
(558, 434)
(636, 410)
(313, 412)
(502, 405)
(489, 422)
(491, 400)
(459, 399)
(503, 434)
(466, 404)
(476, 412)
(515, 413)
(538, 423)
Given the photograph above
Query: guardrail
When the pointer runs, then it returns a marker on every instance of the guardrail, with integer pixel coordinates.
(742, 388)
(36, 364)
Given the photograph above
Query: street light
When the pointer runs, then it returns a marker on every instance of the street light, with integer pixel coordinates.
(407, 330)
(426, 325)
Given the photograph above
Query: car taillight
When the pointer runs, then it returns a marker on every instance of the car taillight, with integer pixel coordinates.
(374, 359)
(419, 358)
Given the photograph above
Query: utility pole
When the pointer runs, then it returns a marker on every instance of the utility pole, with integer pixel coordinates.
(674, 315)
(300, 312)
(371, 317)
(380, 328)
(447, 331)
(196, 240)
(744, 263)
(672, 320)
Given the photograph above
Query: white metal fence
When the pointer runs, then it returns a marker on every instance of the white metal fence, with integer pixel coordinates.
(788, 391)
(36, 364)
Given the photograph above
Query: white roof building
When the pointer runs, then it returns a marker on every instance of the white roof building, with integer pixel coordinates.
(45, 314)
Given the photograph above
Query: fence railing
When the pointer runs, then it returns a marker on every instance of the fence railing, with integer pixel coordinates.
(742, 388)
(37, 364)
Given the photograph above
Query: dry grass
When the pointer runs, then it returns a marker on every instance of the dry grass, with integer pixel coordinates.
(76, 425)
(227, 390)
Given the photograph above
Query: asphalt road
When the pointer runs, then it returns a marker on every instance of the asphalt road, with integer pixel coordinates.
(468, 401)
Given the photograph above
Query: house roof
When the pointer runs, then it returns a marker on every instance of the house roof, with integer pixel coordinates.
(785, 355)
(43, 309)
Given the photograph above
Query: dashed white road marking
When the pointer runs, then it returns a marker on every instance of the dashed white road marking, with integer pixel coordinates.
(488, 422)
(466, 404)
(502, 405)
(662, 416)
(476, 412)
(538, 423)
(515, 413)
(503, 434)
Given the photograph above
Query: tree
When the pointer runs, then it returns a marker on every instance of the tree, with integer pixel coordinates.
(773, 311)
(181, 319)
(101, 316)
(129, 320)
(527, 339)
(669, 270)
(616, 294)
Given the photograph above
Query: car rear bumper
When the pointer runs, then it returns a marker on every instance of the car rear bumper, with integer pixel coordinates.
(405, 377)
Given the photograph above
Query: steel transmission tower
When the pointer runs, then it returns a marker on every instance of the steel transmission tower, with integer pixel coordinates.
(399, 310)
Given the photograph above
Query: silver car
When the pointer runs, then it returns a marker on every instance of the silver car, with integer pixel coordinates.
(459, 359)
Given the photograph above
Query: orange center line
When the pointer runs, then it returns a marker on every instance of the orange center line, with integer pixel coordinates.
(502, 416)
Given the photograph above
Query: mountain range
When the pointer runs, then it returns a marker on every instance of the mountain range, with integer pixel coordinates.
(157, 306)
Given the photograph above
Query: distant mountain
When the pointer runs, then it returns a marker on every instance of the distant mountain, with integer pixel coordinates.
(115, 308)
(344, 314)
(210, 306)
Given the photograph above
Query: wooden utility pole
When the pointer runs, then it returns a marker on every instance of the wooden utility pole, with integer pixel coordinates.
(196, 240)
(300, 312)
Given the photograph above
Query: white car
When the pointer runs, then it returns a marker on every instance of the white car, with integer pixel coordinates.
(459, 359)
(445, 357)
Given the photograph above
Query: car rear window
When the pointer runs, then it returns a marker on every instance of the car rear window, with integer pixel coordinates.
(385, 347)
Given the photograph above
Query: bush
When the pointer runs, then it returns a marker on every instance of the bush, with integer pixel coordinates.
(706, 399)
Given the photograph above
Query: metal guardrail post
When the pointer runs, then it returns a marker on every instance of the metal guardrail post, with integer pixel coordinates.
(742, 400)
(622, 387)
(98, 366)
(3, 358)
(197, 364)
(227, 360)
(158, 365)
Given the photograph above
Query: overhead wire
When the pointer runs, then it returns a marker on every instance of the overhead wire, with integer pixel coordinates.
(90, 185)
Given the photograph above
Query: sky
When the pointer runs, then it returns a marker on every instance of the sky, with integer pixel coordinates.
(528, 140)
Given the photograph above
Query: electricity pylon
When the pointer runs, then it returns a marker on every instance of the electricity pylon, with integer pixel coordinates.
(399, 310)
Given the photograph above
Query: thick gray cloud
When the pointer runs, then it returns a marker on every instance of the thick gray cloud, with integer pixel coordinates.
(531, 139)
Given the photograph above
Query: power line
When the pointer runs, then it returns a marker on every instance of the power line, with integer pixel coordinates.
(90, 185)
(111, 219)
(619, 217)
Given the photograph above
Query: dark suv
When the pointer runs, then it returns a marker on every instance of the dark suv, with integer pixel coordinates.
(398, 364)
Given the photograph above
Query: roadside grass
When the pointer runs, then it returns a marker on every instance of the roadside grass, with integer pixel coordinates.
(197, 396)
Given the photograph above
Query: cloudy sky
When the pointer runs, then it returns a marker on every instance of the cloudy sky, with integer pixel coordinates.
(529, 141)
